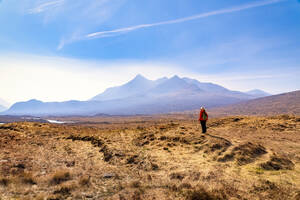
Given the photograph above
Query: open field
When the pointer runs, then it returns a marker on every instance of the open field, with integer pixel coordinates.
(160, 157)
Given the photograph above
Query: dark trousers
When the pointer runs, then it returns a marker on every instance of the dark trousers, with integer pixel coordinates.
(203, 125)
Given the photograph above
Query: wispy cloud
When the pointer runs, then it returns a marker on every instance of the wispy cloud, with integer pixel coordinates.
(79, 16)
(45, 6)
(115, 32)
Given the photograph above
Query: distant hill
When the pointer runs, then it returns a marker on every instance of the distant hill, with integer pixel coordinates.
(258, 93)
(39, 108)
(286, 103)
(140, 96)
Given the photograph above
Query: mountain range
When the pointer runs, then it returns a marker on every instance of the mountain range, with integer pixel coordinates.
(141, 96)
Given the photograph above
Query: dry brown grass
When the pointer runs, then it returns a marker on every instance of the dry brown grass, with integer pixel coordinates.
(27, 178)
(145, 158)
(278, 163)
(60, 176)
(84, 181)
(65, 189)
(4, 181)
(201, 193)
(135, 184)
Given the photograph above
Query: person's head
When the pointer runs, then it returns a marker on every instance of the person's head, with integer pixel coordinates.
(202, 108)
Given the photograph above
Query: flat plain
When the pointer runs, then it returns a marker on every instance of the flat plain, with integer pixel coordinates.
(152, 157)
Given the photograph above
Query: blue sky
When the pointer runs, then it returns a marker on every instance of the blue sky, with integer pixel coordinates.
(239, 44)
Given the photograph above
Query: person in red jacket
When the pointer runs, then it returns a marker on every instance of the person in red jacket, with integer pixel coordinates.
(203, 116)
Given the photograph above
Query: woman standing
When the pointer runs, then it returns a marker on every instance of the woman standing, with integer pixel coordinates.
(203, 118)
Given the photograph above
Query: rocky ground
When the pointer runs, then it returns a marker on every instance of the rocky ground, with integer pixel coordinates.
(239, 158)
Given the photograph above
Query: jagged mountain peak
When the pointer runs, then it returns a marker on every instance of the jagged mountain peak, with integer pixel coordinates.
(34, 101)
(139, 77)
(176, 80)
(175, 77)
(135, 86)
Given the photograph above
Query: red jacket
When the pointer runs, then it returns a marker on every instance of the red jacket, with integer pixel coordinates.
(201, 115)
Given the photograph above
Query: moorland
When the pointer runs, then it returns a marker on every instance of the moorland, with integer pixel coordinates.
(152, 157)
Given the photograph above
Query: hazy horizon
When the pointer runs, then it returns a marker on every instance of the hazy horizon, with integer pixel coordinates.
(8, 104)
(59, 50)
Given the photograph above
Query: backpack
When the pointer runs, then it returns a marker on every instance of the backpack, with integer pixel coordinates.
(204, 115)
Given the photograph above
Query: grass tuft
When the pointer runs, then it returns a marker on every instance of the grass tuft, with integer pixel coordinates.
(4, 181)
(135, 184)
(27, 178)
(84, 180)
(202, 194)
(60, 176)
